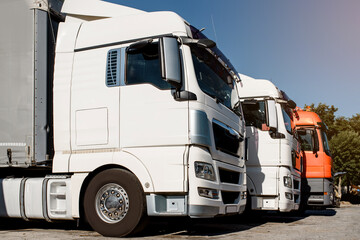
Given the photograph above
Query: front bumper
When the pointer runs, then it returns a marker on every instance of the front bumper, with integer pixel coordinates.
(230, 186)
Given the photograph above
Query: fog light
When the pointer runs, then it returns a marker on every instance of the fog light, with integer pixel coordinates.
(243, 195)
(205, 171)
(208, 193)
(287, 182)
(289, 195)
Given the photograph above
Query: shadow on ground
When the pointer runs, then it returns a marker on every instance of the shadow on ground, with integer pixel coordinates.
(224, 225)
(179, 226)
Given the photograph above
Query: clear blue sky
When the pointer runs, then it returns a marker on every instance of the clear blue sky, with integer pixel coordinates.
(308, 48)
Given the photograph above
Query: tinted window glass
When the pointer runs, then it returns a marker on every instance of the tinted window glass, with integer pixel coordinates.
(212, 77)
(143, 66)
(255, 114)
(287, 120)
(325, 143)
(306, 141)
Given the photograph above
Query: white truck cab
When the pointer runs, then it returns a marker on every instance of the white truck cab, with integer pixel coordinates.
(141, 118)
(273, 179)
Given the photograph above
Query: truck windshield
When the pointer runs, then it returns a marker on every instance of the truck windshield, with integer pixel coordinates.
(255, 114)
(325, 143)
(213, 78)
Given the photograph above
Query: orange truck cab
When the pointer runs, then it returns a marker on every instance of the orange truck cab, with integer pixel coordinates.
(316, 178)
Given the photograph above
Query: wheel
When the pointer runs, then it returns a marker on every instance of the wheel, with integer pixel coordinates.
(114, 203)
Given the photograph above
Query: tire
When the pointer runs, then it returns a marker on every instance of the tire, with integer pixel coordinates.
(114, 203)
(248, 212)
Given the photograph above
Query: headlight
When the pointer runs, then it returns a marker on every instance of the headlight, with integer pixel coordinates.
(205, 171)
(287, 182)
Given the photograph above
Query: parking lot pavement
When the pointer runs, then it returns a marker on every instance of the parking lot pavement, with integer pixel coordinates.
(338, 223)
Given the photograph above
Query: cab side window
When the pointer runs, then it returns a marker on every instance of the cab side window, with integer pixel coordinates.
(143, 66)
(306, 141)
(255, 114)
(287, 119)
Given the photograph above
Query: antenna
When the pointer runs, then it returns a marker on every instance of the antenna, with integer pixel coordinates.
(212, 21)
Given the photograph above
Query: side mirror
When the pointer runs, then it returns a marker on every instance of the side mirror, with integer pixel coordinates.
(339, 174)
(315, 142)
(271, 115)
(170, 61)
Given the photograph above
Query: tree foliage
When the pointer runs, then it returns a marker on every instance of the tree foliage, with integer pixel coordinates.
(345, 149)
(355, 123)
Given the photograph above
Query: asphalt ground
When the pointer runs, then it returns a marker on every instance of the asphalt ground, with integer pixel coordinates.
(335, 223)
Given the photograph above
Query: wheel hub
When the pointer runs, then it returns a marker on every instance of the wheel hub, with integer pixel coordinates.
(112, 203)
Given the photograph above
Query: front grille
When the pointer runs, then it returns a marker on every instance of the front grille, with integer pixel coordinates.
(296, 184)
(227, 176)
(317, 193)
(226, 139)
(230, 197)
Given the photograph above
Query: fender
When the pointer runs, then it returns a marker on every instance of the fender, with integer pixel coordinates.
(121, 159)
(250, 185)
(134, 164)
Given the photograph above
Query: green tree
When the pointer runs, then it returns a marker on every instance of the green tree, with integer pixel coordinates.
(355, 123)
(342, 124)
(345, 149)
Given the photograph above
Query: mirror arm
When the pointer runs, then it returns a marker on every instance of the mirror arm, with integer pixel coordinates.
(276, 135)
(184, 96)
(188, 41)
(203, 43)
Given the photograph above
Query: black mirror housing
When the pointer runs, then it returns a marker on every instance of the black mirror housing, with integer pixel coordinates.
(291, 104)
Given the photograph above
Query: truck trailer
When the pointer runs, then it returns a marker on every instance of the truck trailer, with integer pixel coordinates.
(112, 114)
(317, 175)
(273, 150)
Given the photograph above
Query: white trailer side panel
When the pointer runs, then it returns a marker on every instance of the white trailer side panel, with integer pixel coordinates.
(28, 31)
(16, 80)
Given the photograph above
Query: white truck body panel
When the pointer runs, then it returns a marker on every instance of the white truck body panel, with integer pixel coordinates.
(10, 199)
(93, 9)
(98, 33)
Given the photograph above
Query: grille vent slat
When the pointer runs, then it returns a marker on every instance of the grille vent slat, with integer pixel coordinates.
(113, 68)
